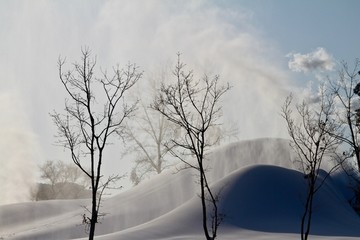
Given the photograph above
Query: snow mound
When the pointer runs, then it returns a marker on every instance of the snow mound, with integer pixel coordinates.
(271, 199)
(261, 194)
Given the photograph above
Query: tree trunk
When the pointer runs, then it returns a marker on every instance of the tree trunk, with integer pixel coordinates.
(303, 219)
(308, 211)
(203, 204)
(94, 215)
(309, 216)
(357, 155)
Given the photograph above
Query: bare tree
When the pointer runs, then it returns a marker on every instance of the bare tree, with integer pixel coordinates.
(51, 172)
(149, 134)
(193, 105)
(347, 90)
(312, 133)
(95, 111)
(61, 178)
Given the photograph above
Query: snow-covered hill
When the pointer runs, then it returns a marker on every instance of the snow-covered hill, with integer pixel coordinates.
(262, 196)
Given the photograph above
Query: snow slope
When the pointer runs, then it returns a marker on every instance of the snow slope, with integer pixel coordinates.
(261, 195)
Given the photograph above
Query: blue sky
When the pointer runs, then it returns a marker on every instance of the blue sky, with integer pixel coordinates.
(248, 42)
(302, 26)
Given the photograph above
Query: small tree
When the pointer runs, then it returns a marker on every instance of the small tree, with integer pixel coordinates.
(149, 135)
(346, 88)
(193, 105)
(92, 116)
(312, 134)
(51, 172)
(60, 176)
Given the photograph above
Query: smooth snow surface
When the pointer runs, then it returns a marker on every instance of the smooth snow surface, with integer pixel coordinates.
(261, 193)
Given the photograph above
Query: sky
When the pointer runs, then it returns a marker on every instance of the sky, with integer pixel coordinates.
(264, 49)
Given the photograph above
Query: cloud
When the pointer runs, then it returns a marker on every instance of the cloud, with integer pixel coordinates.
(318, 60)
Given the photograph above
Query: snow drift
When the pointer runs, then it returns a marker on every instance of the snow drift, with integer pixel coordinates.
(262, 196)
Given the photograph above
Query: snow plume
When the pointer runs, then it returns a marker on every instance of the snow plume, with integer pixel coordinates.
(318, 60)
(18, 150)
(212, 40)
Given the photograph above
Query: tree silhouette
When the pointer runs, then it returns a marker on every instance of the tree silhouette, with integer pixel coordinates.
(193, 105)
(96, 110)
(311, 129)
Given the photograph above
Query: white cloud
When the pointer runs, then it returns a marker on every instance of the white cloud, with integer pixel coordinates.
(318, 60)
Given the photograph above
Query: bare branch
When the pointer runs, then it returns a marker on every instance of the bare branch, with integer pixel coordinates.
(312, 132)
(85, 130)
(192, 105)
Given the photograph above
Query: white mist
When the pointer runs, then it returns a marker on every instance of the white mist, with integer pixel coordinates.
(18, 151)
